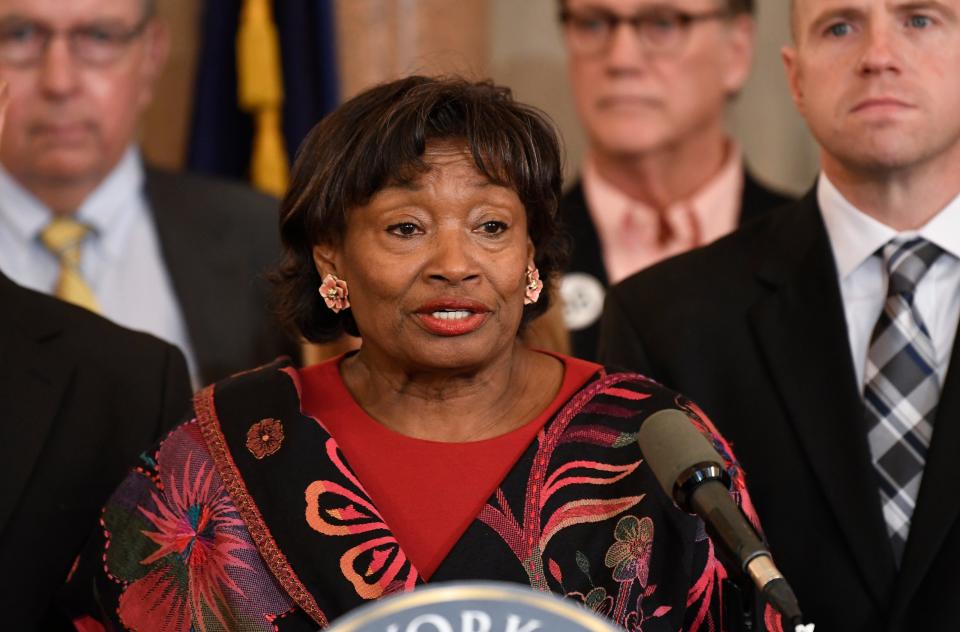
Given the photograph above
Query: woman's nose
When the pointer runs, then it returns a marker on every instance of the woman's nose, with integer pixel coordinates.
(454, 258)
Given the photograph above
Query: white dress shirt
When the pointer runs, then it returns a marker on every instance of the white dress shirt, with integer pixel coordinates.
(121, 259)
(856, 237)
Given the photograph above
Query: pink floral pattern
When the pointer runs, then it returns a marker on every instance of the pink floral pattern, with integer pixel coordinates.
(377, 565)
(180, 550)
(629, 556)
(629, 559)
(529, 536)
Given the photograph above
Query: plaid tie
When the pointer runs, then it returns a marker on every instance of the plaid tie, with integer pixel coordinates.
(902, 387)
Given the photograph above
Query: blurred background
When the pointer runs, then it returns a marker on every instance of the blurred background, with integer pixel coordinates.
(331, 49)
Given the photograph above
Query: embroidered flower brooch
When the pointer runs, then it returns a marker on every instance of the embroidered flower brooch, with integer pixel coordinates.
(264, 437)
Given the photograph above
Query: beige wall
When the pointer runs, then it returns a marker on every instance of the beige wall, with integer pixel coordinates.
(167, 122)
(378, 40)
(775, 138)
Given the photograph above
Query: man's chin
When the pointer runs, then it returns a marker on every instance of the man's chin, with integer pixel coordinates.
(64, 167)
(880, 160)
(631, 147)
(630, 137)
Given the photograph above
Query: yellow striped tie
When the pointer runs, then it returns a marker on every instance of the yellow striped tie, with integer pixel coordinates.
(63, 237)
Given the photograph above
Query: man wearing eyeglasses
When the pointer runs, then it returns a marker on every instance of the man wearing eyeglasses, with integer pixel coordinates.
(651, 81)
(82, 218)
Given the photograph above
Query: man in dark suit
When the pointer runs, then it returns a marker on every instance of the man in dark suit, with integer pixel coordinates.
(822, 339)
(181, 257)
(80, 398)
(651, 81)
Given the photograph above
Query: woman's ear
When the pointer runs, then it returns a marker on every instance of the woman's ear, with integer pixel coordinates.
(531, 253)
(325, 260)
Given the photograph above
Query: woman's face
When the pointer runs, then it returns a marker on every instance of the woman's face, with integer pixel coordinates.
(436, 269)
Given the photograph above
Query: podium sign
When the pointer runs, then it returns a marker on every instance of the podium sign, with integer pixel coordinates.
(473, 607)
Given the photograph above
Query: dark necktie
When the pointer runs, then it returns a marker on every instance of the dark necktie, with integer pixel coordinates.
(901, 388)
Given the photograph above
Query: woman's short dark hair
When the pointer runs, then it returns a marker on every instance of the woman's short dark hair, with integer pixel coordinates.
(378, 138)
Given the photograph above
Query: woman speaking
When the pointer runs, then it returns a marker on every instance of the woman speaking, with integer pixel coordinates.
(422, 216)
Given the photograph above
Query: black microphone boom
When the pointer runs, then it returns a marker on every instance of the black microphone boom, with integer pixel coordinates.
(692, 473)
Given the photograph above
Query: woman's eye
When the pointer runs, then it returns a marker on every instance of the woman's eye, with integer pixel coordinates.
(404, 229)
(493, 227)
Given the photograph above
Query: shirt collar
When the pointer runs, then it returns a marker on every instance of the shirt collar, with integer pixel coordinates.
(944, 228)
(20, 210)
(604, 201)
(855, 236)
(709, 203)
(718, 202)
(117, 194)
(26, 215)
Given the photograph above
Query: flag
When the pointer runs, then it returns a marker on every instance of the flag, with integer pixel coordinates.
(266, 74)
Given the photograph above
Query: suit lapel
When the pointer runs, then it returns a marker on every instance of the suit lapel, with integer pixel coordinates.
(34, 374)
(192, 253)
(939, 504)
(801, 331)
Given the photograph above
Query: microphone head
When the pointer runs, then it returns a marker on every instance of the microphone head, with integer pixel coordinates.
(673, 447)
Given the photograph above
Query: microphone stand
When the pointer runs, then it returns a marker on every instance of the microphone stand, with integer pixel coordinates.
(698, 491)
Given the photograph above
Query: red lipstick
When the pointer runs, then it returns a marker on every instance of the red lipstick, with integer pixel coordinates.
(452, 317)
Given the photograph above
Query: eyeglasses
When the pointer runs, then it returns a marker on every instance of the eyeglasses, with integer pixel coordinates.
(659, 30)
(24, 43)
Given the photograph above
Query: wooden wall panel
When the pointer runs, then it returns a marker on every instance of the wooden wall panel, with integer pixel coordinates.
(166, 124)
(378, 40)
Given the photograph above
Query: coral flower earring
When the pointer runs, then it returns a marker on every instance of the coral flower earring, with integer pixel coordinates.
(534, 286)
(334, 292)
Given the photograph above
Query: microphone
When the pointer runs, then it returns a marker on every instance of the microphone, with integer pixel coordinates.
(692, 473)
